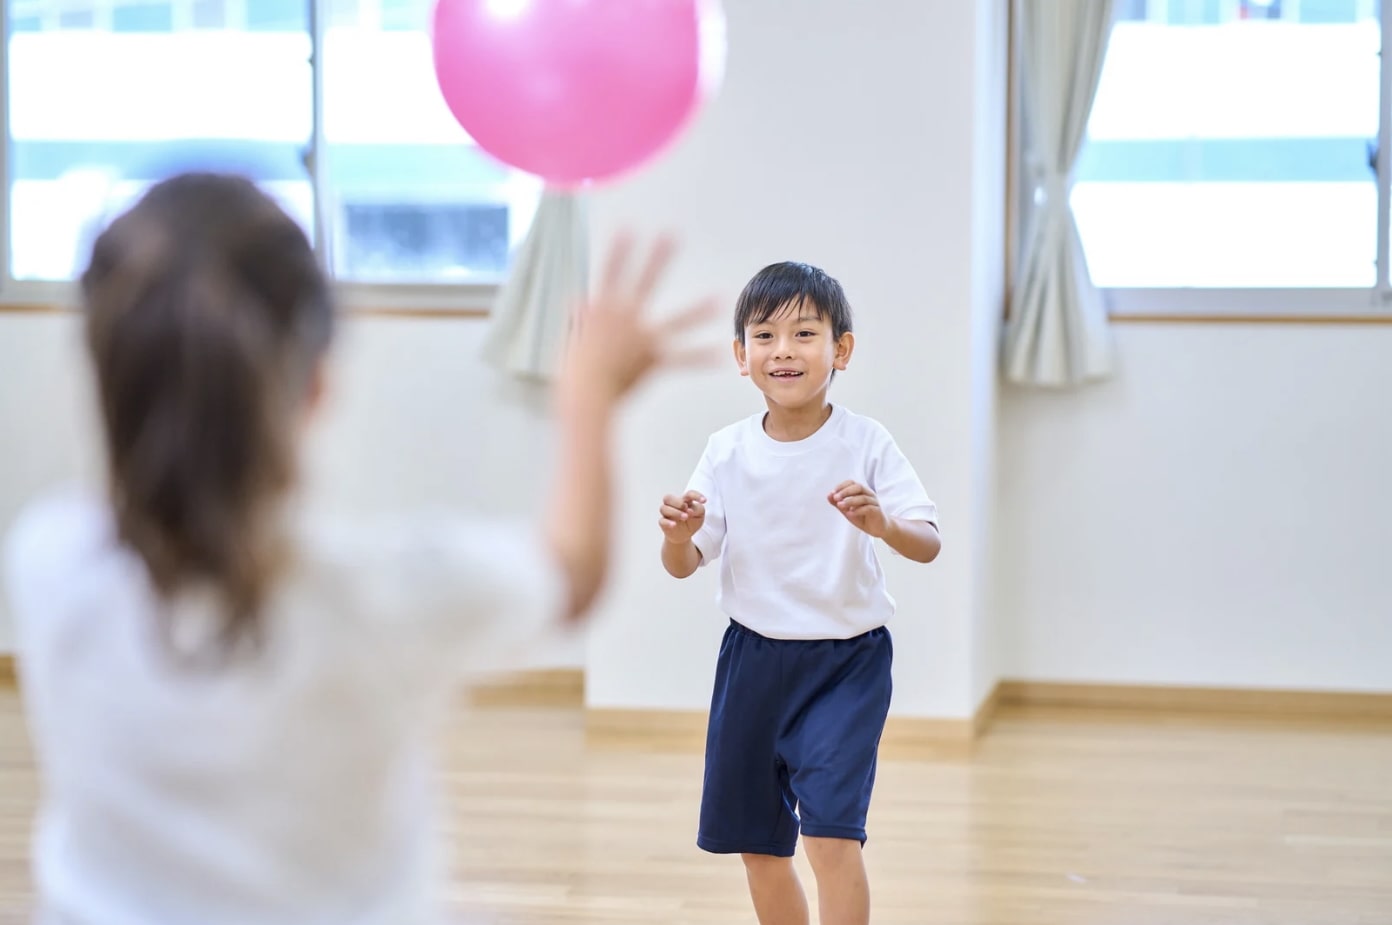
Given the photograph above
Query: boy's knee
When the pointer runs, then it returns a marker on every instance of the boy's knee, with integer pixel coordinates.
(766, 865)
(831, 852)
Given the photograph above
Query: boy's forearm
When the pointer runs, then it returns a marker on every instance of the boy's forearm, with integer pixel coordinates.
(913, 539)
(680, 560)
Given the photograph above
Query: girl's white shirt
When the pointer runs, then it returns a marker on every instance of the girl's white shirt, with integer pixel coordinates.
(290, 787)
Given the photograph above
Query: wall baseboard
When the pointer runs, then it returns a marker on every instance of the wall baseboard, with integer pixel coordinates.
(565, 688)
(537, 687)
(533, 687)
(685, 730)
(906, 736)
(1232, 701)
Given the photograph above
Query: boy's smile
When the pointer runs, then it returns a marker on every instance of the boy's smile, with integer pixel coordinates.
(792, 355)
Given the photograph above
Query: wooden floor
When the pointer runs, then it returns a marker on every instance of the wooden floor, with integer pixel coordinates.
(1052, 818)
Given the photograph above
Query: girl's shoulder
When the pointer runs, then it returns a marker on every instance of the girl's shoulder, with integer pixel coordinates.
(54, 550)
(53, 531)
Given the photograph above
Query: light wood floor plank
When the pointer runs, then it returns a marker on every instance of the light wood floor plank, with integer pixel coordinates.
(1055, 817)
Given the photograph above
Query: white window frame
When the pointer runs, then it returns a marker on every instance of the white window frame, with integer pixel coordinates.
(466, 299)
(1237, 304)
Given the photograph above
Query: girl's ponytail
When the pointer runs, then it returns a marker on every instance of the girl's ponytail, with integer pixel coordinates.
(207, 318)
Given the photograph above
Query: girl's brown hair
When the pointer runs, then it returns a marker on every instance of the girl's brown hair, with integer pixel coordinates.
(206, 318)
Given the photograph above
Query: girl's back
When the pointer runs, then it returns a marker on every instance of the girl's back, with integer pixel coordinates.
(290, 784)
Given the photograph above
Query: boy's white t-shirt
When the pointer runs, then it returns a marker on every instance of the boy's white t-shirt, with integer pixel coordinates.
(294, 788)
(791, 565)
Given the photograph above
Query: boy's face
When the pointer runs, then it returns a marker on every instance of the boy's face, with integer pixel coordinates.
(791, 356)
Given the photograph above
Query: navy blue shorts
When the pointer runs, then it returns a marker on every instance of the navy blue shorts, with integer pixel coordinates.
(793, 740)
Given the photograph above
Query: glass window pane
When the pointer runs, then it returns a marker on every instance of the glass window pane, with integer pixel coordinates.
(342, 13)
(1249, 166)
(1129, 10)
(405, 14)
(277, 15)
(209, 14)
(77, 19)
(82, 150)
(408, 198)
(142, 17)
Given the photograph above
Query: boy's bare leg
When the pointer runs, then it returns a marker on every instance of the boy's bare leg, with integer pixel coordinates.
(776, 890)
(843, 890)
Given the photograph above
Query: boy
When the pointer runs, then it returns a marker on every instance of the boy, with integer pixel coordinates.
(791, 501)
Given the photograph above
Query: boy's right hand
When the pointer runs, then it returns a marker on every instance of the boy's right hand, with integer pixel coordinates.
(681, 517)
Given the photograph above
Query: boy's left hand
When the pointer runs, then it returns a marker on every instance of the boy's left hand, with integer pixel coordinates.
(860, 506)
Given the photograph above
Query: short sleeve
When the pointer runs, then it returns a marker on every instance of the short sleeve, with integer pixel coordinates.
(710, 539)
(897, 485)
(37, 553)
(465, 593)
(499, 587)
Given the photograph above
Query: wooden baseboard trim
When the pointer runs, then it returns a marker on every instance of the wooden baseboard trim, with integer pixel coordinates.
(1276, 703)
(986, 712)
(908, 736)
(685, 730)
(535, 687)
(565, 687)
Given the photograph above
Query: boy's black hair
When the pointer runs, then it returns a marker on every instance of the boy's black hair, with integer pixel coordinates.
(778, 284)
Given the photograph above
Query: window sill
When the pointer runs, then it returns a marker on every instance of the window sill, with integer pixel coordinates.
(1248, 306)
(355, 300)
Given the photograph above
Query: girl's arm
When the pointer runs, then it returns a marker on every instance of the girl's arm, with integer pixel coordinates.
(579, 514)
(615, 348)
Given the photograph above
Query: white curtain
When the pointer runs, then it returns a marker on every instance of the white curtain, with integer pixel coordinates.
(550, 275)
(1056, 333)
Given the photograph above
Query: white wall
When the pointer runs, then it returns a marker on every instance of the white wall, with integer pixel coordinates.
(988, 284)
(46, 426)
(1217, 514)
(844, 137)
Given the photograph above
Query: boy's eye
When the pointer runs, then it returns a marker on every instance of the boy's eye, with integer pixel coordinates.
(807, 333)
(763, 335)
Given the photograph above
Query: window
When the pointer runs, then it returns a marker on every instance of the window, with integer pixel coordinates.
(403, 199)
(1234, 145)
(141, 17)
(400, 196)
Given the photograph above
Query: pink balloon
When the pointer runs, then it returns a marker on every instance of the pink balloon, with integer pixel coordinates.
(576, 90)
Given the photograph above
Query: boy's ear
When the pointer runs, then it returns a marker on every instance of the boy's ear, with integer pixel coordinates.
(741, 357)
(845, 346)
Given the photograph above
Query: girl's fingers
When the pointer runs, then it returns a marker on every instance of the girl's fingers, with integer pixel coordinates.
(614, 265)
(693, 315)
(651, 275)
(696, 357)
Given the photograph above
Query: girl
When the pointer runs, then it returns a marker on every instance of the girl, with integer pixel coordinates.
(230, 704)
